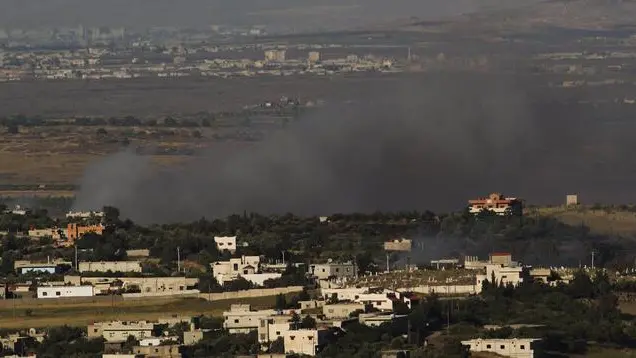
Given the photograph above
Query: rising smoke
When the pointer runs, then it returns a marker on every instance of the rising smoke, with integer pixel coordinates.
(419, 144)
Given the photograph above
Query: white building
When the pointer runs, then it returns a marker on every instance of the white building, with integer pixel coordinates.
(241, 318)
(112, 266)
(515, 348)
(119, 331)
(334, 270)
(343, 294)
(65, 291)
(225, 271)
(84, 214)
(341, 310)
(380, 301)
(225, 243)
(305, 341)
(273, 327)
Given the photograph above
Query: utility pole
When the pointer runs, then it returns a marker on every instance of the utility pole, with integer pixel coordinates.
(178, 259)
(388, 268)
(283, 252)
(593, 252)
(76, 263)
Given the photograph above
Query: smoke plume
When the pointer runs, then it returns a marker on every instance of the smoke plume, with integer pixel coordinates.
(426, 143)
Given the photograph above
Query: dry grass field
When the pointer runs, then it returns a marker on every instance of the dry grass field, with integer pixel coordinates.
(614, 222)
(80, 314)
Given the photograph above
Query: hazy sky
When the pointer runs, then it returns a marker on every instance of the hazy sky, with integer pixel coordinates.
(298, 14)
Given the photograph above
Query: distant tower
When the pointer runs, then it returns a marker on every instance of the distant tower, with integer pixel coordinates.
(572, 200)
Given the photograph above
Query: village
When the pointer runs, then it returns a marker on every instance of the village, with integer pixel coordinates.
(329, 297)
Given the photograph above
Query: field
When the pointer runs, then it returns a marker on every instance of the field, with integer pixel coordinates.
(103, 309)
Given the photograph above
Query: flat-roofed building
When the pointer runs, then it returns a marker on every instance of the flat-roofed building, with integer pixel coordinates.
(401, 244)
(334, 270)
(241, 319)
(225, 271)
(163, 351)
(341, 310)
(305, 341)
(273, 327)
(515, 348)
(112, 266)
(65, 291)
(119, 331)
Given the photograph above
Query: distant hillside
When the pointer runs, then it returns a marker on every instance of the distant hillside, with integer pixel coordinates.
(606, 220)
(567, 14)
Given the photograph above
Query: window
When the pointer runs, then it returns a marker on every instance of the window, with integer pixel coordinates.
(263, 324)
(278, 333)
(95, 330)
(45, 293)
(156, 350)
(292, 337)
(488, 346)
(236, 321)
(522, 347)
(310, 337)
(221, 244)
(235, 267)
(58, 293)
(180, 288)
(337, 269)
(502, 347)
(323, 270)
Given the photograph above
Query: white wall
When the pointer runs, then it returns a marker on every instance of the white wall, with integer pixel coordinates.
(65, 291)
(260, 278)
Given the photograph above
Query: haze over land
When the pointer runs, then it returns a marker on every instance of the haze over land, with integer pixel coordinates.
(420, 143)
(302, 15)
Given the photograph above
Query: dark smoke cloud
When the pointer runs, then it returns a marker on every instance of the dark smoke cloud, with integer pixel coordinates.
(425, 144)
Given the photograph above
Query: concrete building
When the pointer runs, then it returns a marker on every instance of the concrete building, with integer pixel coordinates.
(501, 258)
(275, 55)
(241, 318)
(402, 245)
(84, 214)
(502, 275)
(110, 266)
(75, 231)
(341, 310)
(225, 271)
(343, 294)
(138, 253)
(376, 319)
(273, 327)
(225, 243)
(144, 284)
(313, 57)
(163, 351)
(334, 270)
(119, 331)
(305, 305)
(65, 291)
(23, 267)
(54, 233)
(305, 341)
(380, 301)
(572, 200)
(496, 203)
(515, 348)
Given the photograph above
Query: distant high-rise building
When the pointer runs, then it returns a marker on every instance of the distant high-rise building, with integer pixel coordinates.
(313, 56)
(275, 55)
